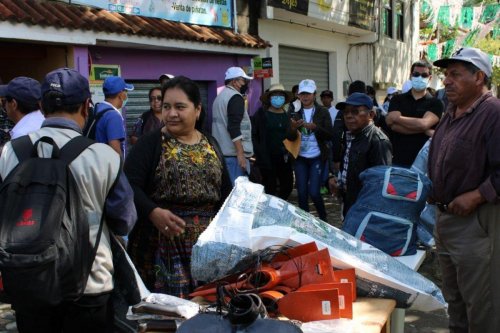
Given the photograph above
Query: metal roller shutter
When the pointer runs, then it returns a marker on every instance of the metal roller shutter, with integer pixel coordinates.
(299, 64)
(138, 101)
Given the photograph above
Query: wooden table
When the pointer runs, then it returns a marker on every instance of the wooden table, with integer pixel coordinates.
(373, 314)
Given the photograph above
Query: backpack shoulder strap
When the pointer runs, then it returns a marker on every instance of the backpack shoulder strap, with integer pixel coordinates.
(22, 147)
(74, 148)
(69, 152)
(101, 113)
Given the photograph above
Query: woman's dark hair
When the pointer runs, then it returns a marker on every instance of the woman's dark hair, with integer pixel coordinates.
(153, 89)
(192, 92)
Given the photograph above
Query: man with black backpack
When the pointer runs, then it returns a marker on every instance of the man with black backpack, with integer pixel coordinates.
(61, 195)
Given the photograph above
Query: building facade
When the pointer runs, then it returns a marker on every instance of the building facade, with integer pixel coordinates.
(39, 36)
(337, 42)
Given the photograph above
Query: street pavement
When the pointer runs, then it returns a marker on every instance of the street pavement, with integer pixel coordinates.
(415, 321)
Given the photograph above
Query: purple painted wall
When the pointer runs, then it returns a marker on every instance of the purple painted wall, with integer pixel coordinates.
(81, 60)
(138, 64)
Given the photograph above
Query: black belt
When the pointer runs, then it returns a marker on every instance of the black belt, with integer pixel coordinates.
(442, 207)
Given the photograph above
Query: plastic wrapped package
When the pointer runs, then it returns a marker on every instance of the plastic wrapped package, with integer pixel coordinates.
(251, 220)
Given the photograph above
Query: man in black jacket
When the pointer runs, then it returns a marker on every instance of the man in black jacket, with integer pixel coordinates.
(364, 146)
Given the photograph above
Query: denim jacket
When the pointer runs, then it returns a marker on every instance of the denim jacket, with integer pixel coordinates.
(369, 148)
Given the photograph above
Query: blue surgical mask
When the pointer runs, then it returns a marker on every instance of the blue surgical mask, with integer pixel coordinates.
(277, 101)
(124, 103)
(419, 83)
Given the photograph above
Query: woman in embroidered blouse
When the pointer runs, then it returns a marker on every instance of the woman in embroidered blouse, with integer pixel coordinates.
(180, 181)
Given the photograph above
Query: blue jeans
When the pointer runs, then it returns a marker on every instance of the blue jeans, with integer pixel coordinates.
(234, 169)
(308, 180)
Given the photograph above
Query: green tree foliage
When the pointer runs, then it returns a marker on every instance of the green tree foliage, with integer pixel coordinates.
(491, 46)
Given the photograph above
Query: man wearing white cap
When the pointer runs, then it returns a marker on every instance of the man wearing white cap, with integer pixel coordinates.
(464, 166)
(231, 123)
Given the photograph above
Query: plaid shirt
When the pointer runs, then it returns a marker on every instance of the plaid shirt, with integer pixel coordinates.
(5, 127)
(343, 173)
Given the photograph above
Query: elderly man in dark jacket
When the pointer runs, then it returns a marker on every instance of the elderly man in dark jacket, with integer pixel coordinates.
(364, 146)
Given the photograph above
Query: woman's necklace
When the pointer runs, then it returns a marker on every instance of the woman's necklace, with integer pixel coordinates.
(190, 141)
(196, 136)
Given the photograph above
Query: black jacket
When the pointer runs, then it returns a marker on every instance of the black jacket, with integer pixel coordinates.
(324, 128)
(260, 139)
(369, 148)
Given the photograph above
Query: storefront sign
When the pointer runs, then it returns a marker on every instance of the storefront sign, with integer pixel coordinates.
(297, 6)
(262, 67)
(203, 12)
(361, 14)
(101, 72)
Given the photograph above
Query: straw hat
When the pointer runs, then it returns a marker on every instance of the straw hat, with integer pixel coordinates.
(275, 88)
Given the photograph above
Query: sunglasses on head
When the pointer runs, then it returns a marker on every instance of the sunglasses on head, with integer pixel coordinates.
(155, 98)
(417, 74)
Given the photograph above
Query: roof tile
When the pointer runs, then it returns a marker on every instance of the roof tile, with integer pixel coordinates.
(63, 15)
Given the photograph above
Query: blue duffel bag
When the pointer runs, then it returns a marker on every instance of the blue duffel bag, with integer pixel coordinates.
(388, 209)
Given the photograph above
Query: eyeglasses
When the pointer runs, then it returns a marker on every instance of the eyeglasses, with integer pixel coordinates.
(155, 98)
(423, 75)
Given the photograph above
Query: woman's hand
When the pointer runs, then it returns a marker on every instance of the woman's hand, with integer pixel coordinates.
(167, 222)
(310, 126)
(295, 124)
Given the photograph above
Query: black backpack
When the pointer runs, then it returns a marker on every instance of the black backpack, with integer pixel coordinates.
(45, 252)
(91, 125)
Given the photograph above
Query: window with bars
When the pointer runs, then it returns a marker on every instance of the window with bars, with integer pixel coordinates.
(400, 30)
(387, 19)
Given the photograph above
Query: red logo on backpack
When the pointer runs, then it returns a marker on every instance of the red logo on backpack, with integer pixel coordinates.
(27, 218)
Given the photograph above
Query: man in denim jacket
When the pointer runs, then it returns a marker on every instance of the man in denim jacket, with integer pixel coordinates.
(364, 146)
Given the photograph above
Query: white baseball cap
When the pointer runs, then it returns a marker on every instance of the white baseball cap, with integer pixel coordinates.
(471, 55)
(406, 86)
(307, 86)
(168, 76)
(392, 90)
(234, 72)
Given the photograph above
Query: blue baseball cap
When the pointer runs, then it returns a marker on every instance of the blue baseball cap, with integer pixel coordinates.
(115, 84)
(73, 86)
(23, 89)
(356, 99)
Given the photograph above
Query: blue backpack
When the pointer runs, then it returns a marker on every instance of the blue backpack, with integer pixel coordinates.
(388, 209)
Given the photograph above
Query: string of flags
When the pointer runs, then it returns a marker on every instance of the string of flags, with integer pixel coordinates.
(470, 24)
